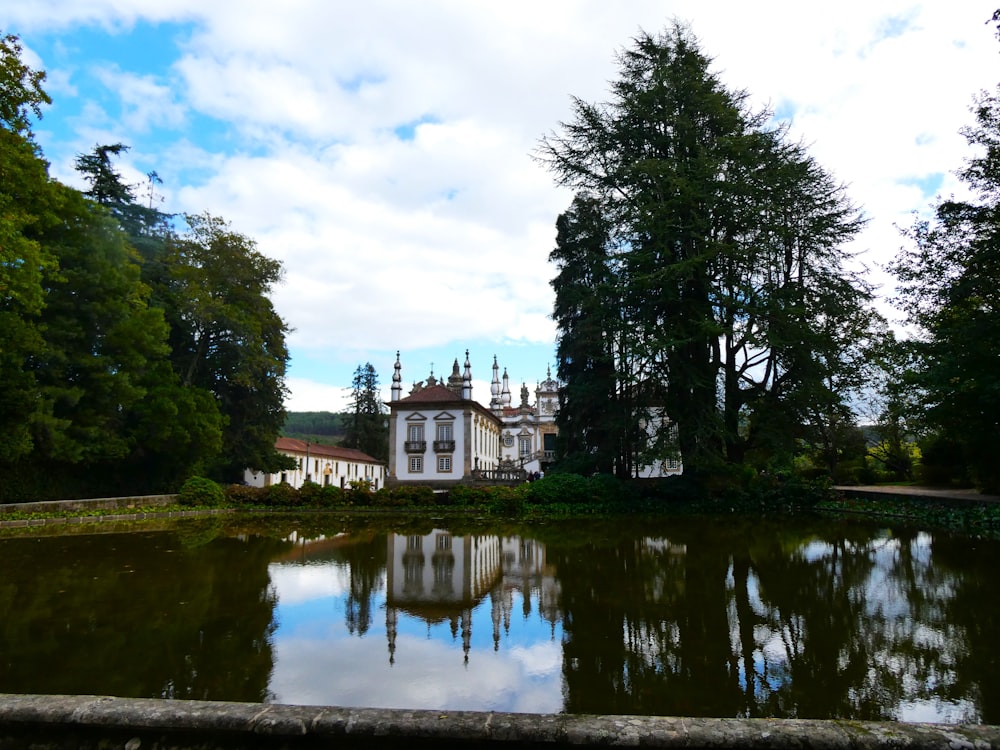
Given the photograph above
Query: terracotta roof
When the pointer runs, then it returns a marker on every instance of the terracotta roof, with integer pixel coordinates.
(438, 394)
(431, 394)
(329, 451)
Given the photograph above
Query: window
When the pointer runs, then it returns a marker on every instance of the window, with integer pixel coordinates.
(444, 463)
(416, 464)
(415, 432)
(524, 446)
(444, 437)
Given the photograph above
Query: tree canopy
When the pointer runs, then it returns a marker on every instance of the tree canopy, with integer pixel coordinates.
(131, 355)
(740, 325)
(367, 428)
(949, 276)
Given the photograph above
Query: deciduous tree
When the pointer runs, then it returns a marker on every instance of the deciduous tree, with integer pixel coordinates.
(227, 338)
(949, 276)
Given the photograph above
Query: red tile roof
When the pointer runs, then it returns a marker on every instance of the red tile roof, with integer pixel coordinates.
(291, 445)
(431, 394)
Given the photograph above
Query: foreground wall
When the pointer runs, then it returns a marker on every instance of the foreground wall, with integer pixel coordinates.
(43, 722)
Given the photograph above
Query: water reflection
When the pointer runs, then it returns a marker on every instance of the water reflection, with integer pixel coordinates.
(802, 618)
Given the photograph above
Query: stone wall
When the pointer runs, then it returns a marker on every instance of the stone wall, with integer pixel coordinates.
(99, 503)
(44, 722)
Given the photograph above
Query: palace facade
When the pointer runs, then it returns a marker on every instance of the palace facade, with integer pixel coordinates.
(440, 436)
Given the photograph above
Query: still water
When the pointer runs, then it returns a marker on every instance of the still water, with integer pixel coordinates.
(801, 617)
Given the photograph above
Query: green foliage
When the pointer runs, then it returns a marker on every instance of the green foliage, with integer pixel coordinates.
(201, 492)
(332, 496)
(130, 358)
(406, 495)
(559, 488)
(367, 426)
(594, 408)
(310, 493)
(241, 495)
(360, 485)
(21, 92)
(226, 337)
(703, 299)
(948, 281)
(943, 461)
(281, 495)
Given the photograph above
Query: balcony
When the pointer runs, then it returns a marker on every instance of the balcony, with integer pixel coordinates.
(415, 446)
(444, 446)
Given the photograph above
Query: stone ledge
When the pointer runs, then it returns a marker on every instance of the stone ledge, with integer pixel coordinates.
(41, 722)
(97, 503)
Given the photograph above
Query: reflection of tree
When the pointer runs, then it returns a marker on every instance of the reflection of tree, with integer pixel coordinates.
(194, 622)
(976, 601)
(810, 619)
(813, 597)
(366, 558)
(645, 629)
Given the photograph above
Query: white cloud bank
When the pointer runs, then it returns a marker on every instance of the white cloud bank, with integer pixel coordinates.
(383, 151)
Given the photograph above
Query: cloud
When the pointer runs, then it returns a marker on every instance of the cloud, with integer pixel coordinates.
(384, 153)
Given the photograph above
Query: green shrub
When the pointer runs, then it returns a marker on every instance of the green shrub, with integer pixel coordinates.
(404, 496)
(281, 495)
(201, 491)
(331, 496)
(242, 495)
(310, 493)
(504, 500)
(465, 496)
(559, 488)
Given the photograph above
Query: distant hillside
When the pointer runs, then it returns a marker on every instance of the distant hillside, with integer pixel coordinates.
(316, 426)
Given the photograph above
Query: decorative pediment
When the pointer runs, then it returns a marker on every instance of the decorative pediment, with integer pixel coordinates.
(416, 417)
(444, 417)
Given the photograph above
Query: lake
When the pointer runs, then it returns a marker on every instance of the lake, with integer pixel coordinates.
(730, 617)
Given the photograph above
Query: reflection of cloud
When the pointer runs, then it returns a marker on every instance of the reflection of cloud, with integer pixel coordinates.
(426, 674)
(938, 711)
(301, 583)
(539, 658)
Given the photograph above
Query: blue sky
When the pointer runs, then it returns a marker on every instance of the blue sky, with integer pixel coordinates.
(382, 151)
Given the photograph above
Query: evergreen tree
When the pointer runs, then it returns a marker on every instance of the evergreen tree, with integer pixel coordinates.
(367, 430)
(741, 313)
(591, 419)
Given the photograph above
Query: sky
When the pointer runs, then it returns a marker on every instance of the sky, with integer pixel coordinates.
(383, 151)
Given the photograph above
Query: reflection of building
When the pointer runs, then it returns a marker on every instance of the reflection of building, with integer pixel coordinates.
(439, 435)
(323, 464)
(439, 578)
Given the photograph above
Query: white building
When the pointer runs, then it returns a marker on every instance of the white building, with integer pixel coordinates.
(528, 438)
(438, 435)
(322, 464)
